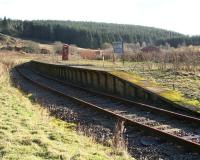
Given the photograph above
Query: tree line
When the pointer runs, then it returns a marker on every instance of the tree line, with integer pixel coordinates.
(89, 34)
(180, 41)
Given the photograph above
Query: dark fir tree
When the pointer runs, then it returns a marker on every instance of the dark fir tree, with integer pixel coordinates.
(90, 34)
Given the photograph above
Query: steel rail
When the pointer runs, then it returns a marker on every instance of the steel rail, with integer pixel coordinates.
(187, 143)
(142, 105)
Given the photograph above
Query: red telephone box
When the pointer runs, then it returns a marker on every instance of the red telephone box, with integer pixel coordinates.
(65, 52)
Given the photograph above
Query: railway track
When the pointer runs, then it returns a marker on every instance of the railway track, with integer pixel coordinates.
(174, 126)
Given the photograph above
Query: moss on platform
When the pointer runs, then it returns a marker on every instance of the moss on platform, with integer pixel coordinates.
(169, 95)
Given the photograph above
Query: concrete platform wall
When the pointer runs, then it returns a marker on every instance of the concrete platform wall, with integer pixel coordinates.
(97, 80)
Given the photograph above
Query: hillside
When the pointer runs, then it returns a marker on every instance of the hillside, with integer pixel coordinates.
(83, 34)
(177, 41)
(27, 46)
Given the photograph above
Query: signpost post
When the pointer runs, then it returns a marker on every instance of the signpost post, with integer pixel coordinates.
(102, 54)
(118, 48)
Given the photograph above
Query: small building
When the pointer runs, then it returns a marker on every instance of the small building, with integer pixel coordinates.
(150, 49)
(89, 53)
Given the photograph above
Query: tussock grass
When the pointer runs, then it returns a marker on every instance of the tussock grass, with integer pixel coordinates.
(28, 132)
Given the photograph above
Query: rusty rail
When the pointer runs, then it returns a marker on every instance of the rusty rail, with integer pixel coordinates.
(187, 143)
(106, 82)
(142, 105)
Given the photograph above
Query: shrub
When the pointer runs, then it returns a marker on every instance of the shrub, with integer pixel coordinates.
(31, 47)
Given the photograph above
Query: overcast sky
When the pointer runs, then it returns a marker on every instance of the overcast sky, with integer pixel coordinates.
(177, 15)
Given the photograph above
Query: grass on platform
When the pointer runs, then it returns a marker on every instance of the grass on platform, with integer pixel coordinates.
(187, 84)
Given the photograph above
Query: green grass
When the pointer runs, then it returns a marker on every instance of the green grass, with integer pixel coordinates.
(27, 132)
(171, 95)
(149, 75)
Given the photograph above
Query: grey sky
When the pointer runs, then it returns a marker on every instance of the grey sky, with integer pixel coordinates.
(177, 15)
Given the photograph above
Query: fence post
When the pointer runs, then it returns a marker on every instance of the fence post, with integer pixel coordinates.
(118, 139)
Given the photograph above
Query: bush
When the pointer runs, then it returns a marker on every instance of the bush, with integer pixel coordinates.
(31, 47)
(106, 46)
(57, 47)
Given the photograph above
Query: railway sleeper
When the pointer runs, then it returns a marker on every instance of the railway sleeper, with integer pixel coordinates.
(169, 133)
(172, 130)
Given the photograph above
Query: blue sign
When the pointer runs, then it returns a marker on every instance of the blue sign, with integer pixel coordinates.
(118, 47)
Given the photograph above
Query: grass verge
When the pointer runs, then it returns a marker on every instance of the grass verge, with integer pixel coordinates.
(28, 132)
